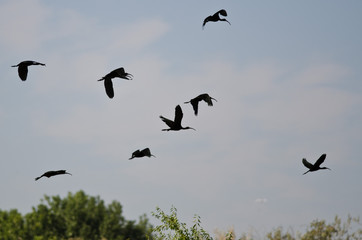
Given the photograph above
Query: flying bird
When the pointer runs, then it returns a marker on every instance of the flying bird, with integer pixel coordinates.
(144, 153)
(23, 68)
(120, 73)
(216, 17)
(176, 124)
(316, 165)
(195, 101)
(52, 173)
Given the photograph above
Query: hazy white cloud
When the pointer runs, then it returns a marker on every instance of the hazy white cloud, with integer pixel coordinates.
(261, 200)
(137, 35)
(322, 73)
(22, 25)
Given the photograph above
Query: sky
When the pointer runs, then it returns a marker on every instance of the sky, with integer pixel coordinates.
(286, 76)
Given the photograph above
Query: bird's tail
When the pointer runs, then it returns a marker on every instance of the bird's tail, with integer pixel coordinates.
(306, 172)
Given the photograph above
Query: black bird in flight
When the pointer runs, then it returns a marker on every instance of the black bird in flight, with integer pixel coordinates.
(23, 68)
(195, 101)
(120, 73)
(52, 173)
(176, 124)
(316, 165)
(144, 153)
(216, 17)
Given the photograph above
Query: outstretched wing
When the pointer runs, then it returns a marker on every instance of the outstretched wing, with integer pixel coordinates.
(222, 12)
(167, 121)
(195, 105)
(205, 21)
(307, 164)
(320, 160)
(146, 151)
(109, 87)
(178, 115)
(23, 72)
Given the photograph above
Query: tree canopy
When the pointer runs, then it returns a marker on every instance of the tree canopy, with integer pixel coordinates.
(79, 216)
(76, 216)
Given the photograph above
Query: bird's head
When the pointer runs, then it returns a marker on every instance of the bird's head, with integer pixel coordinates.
(190, 128)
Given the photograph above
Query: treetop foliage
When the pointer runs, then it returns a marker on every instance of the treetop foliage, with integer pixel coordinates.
(77, 216)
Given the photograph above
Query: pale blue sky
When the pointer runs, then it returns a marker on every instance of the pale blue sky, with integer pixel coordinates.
(286, 74)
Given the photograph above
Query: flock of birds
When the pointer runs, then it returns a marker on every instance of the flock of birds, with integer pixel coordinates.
(174, 125)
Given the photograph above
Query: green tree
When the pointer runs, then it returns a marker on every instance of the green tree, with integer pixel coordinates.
(320, 230)
(279, 235)
(172, 228)
(11, 224)
(77, 216)
(337, 230)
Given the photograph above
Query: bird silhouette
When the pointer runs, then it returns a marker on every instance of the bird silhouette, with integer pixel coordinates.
(176, 124)
(23, 68)
(144, 153)
(316, 165)
(120, 73)
(195, 101)
(52, 173)
(216, 17)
